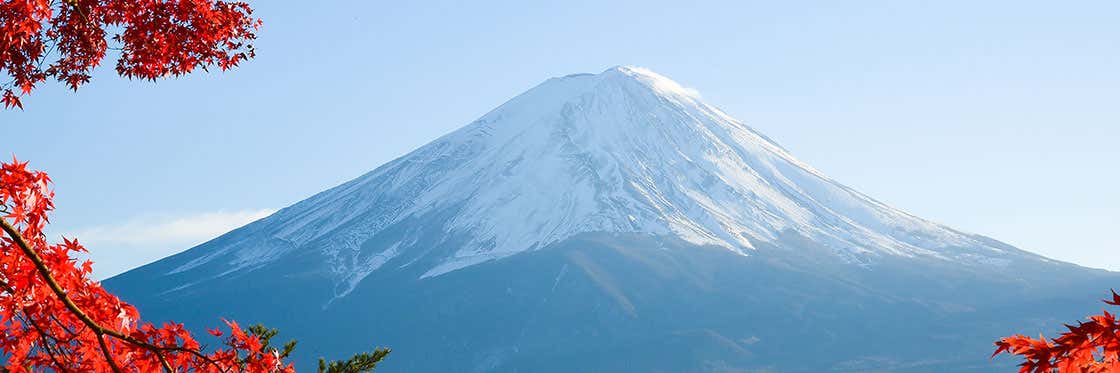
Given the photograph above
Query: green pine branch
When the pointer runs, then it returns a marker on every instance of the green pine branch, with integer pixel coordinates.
(359, 363)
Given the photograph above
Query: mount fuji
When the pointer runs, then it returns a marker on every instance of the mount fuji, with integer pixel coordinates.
(615, 222)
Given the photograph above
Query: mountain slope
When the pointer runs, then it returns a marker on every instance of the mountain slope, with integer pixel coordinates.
(623, 151)
(584, 218)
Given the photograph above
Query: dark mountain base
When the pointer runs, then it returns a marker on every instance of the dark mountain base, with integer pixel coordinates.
(639, 303)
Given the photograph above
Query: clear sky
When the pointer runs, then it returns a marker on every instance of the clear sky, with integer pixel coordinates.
(994, 117)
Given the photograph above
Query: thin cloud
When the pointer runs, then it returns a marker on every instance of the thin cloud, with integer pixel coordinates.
(115, 248)
(163, 230)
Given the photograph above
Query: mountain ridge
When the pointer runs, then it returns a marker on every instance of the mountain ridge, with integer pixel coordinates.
(559, 115)
(614, 210)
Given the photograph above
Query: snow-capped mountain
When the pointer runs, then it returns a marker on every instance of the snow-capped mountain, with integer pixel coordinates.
(622, 159)
(626, 150)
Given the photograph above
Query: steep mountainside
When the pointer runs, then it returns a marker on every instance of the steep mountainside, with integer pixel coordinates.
(611, 222)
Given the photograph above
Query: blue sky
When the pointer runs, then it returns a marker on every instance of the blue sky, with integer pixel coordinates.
(995, 117)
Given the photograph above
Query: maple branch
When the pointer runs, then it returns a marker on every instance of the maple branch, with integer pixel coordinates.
(99, 330)
(63, 326)
(197, 354)
(46, 345)
(78, 8)
(108, 355)
(44, 272)
(43, 335)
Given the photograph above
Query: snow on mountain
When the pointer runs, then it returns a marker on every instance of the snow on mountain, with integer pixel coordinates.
(626, 150)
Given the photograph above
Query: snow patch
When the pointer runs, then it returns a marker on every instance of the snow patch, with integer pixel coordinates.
(624, 151)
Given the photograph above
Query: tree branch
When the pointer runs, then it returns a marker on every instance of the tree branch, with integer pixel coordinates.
(44, 272)
(108, 355)
(43, 336)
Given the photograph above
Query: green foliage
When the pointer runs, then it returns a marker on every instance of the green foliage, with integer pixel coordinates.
(265, 334)
(359, 363)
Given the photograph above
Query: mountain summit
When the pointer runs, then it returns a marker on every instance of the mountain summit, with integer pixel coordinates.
(657, 201)
(626, 150)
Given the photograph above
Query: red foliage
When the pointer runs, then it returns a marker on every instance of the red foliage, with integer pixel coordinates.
(1089, 347)
(54, 318)
(156, 38)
